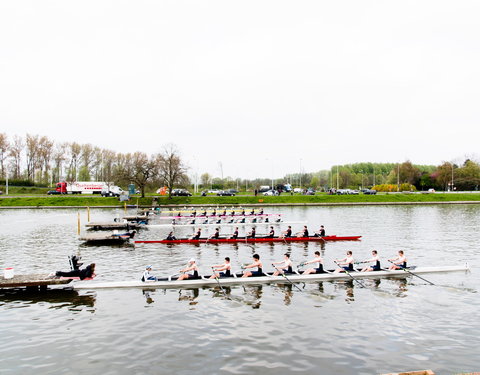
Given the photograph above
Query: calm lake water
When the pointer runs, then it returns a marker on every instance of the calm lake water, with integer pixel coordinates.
(327, 328)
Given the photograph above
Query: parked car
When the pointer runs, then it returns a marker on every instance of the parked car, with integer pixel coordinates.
(270, 192)
(343, 191)
(225, 193)
(369, 192)
(310, 191)
(354, 192)
(234, 191)
(181, 193)
(53, 192)
(213, 191)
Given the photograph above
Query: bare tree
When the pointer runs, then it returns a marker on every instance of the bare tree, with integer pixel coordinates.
(59, 156)
(16, 149)
(171, 170)
(44, 156)
(32, 143)
(74, 149)
(4, 145)
(138, 168)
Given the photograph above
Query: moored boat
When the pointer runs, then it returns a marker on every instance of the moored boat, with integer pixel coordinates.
(254, 240)
(172, 282)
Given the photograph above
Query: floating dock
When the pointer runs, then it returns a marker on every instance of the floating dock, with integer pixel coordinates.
(34, 281)
(110, 238)
(113, 225)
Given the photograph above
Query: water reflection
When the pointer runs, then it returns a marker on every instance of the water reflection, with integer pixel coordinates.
(57, 298)
(189, 295)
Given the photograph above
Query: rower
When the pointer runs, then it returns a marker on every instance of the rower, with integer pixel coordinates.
(197, 235)
(232, 213)
(256, 264)
(271, 234)
(304, 232)
(227, 267)
(242, 221)
(321, 232)
(192, 268)
(194, 213)
(171, 237)
(318, 259)
(224, 213)
(252, 212)
(376, 263)
(288, 232)
(174, 222)
(147, 276)
(287, 265)
(218, 221)
(192, 222)
(399, 262)
(261, 211)
(204, 213)
(216, 235)
(234, 236)
(346, 263)
(214, 212)
(243, 212)
(252, 233)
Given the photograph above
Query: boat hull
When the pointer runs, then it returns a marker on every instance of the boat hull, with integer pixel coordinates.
(197, 283)
(255, 240)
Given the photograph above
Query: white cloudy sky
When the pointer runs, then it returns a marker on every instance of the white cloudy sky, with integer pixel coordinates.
(261, 86)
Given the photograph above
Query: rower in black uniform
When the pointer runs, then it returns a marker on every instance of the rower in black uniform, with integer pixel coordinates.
(235, 234)
(271, 234)
(261, 212)
(252, 233)
(194, 213)
(224, 213)
(214, 212)
(288, 232)
(243, 213)
(304, 233)
(216, 235)
(197, 235)
(321, 232)
(252, 212)
(171, 237)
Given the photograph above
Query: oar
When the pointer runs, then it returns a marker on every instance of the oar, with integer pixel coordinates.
(286, 278)
(414, 274)
(218, 282)
(348, 273)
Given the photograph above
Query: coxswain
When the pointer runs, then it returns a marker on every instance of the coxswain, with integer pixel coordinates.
(321, 232)
(286, 265)
(147, 276)
(346, 264)
(216, 235)
(375, 259)
(288, 232)
(234, 236)
(197, 235)
(271, 234)
(227, 267)
(317, 259)
(256, 264)
(252, 233)
(171, 237)
(192, 268)
(399, 262)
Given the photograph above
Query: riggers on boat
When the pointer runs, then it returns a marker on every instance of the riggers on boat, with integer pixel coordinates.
(172, 282)
(253, 240)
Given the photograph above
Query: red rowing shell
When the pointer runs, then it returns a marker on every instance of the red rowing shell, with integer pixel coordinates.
(256, 239)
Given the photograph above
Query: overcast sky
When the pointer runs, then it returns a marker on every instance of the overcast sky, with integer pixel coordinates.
(264, 87)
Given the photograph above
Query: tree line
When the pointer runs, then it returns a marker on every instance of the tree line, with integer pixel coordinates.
(40, 160)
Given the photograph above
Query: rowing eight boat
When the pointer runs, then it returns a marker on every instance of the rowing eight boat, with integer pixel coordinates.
(171, 225)
(172, 282)
(255, 239)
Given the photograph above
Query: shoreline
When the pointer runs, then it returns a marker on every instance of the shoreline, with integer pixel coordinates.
(293, 204)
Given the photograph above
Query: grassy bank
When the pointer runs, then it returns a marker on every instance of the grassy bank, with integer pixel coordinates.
(238, 200)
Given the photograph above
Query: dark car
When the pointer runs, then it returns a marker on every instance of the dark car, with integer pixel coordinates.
(53, 192)
(225, 193)
(370, 192)
(181, 193)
